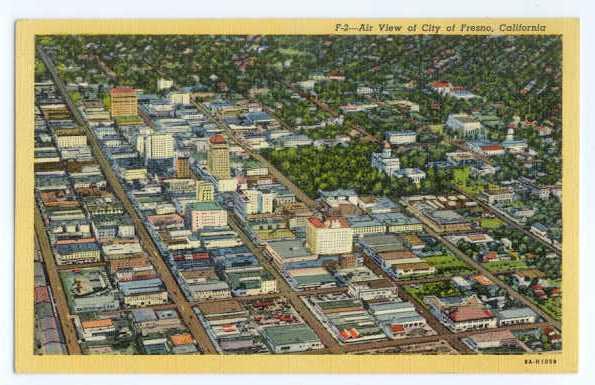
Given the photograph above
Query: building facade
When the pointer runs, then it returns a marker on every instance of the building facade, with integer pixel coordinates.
(205, 191)
(332, 236)
(206, 214)
(123, 101)
(385, 162)
(218, 157)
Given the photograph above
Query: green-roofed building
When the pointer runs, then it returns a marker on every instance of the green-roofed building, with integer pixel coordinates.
(291, 338)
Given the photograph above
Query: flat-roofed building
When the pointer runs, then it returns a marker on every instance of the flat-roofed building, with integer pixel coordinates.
(376, 289)
(123, 101)
(183, 167)
(70, 137)
(401, 137)
(205, 191)
(291, 338)
(331, 236)
(514, 316)
(205, 214)
(496, 195)
(364, 224)
(284, 252)
(465, 125)
(77, 253)
(218, 157)
(398, 222)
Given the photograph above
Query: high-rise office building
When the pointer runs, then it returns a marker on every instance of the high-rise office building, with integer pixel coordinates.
(159, 151)
(123, 102)
(253, 201)
(159, 146)
(332, 236)
(183, 167)
(205, 191)
(218, 157)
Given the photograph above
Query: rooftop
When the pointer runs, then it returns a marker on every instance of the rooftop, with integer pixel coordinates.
(220, 307)
(217, 139)
(292, 248)
(329, 223)
(289, 334)
(204, 206)
(122, 90)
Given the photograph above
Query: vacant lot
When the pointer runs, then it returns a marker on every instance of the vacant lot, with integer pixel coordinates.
(490, 223)
(505, 266)
(448, 265)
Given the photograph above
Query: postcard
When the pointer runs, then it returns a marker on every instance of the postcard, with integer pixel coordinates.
(297, 196)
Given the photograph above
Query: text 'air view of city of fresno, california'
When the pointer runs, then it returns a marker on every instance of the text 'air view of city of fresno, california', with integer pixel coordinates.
(232, 194)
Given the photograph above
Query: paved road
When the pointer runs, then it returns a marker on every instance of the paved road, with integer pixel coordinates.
(184, 307)
(509, 221)
(55, 282)
(285, 290)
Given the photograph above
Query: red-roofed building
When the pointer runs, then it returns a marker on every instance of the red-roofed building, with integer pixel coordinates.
(217, 139)
(490, 256)
(492, 149)
(441, 86)
(41, 294)
(461, 313)
(468, 317)
(331, 236)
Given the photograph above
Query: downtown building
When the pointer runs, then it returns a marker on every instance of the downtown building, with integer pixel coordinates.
(123, 101)
(159, 152)
(218, 157)
(331, 236)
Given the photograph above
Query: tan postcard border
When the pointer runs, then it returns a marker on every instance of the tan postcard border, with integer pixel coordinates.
(27, 362)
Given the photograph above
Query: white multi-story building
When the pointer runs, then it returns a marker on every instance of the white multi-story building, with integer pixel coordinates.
(205, 214)
(332, 236)
(385, 162)
(66, 141)
(163, 84)
(254, 201)
(179, 97)
(463, 124)
(414, 174)
(401, 137)
(159, 146)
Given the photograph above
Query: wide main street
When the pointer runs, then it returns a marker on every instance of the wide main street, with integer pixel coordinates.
(174, 291)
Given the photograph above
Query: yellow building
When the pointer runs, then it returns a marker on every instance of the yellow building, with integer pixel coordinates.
(205, 191)
(146, 299)
(132, 174)
(332, 236)
(77, 253)
(123, 101)
(183, 167)
(159, 146)
(70, 137)
(218, 157)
